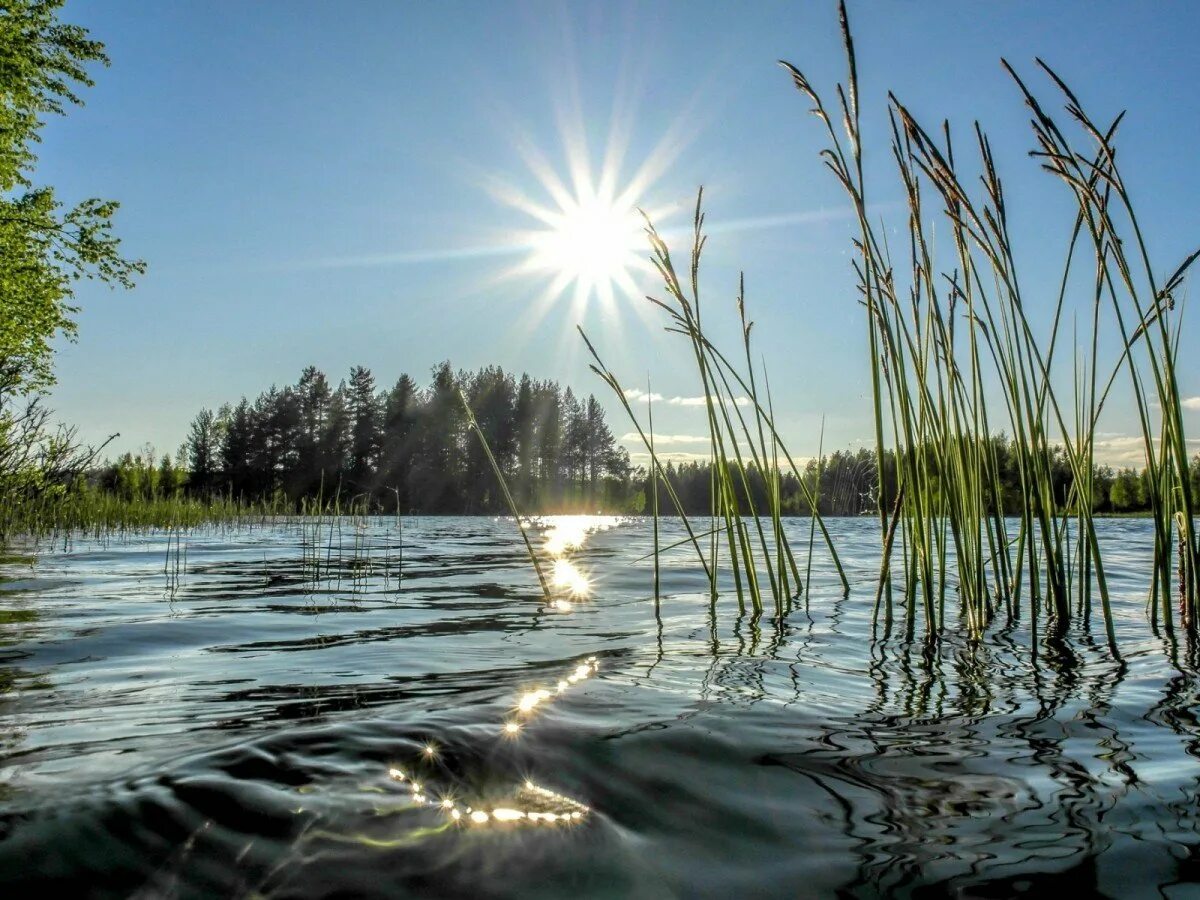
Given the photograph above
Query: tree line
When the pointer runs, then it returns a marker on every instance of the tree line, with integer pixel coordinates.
(845, 483)
(407, 448)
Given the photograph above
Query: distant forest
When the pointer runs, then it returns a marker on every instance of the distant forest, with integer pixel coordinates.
(405, 449)
(409, 449)
(844, 483)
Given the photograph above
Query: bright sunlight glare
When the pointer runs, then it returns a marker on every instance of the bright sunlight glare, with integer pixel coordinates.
(594, 242)
(586, 241)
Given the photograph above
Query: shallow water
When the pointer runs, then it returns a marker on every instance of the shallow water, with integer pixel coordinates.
(246, 712)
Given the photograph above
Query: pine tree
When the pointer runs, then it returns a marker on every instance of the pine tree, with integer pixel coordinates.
(313, 395)
(549, 443)
(396, 450)
(202, 452)
(236, 449)
(334, 447)
(363, 408)
(435, 479)
(525, 427)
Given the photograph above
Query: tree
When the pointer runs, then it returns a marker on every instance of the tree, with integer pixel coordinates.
(236, 447)
(574, 431)
(1126, 494)
(312, 395)
(490, 392)
(404, 450)
(548, 405)
(364, 428)
(44, 250)
(334, 447)
(170, 479)
(526, 437)
(202, 448)
(434, 481)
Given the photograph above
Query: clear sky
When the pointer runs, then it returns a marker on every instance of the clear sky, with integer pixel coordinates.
(332, 184)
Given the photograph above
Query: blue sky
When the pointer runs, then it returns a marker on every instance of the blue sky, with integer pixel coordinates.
(316, 183)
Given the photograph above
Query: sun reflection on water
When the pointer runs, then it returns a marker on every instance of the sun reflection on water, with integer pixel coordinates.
(530, 803)
(566, 534)
(568, 577)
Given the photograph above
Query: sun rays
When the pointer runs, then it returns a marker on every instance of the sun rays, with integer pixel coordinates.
(594, 244)
(585, 240)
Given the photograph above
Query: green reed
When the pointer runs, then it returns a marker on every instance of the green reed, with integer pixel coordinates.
(87, 511)
(760, 560)
(948, 336)
(508, 497)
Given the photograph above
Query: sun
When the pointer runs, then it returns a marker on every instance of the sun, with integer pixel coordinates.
(594, 242)
(584, 239)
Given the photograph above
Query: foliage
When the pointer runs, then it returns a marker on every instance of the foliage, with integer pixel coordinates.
(45, 248)
(845, 483)
(409, 449)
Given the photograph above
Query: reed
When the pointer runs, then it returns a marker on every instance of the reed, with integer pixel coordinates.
(85, 511)
(760, 560)
(508, 497)
(954, 355)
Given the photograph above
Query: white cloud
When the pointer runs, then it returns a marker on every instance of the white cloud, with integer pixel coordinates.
(700, 401)
(1191, 403)
(1126, 449)
(642, 458)
(677, 456)
(636, 394)
(661, 439)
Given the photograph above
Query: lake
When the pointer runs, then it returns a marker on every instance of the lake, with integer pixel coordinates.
(391, 708)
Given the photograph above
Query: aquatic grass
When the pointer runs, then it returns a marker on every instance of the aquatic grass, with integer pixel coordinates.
(653, 491)
(1125, 277)
(928, 378)
(952, 335)
(760, 560)
(86, 511)
(656, 466)
(508, 497)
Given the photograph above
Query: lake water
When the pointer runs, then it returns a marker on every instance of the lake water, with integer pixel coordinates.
(394, 710)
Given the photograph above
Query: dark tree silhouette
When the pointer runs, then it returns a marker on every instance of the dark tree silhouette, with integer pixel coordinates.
(408, 449)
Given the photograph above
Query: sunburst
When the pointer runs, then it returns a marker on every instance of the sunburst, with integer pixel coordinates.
(587, 242)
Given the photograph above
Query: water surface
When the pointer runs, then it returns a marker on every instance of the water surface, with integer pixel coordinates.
(393, 709)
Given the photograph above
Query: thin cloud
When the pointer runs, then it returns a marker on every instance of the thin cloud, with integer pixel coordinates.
(1127, 450)
(663, 439)
(635, 394)
(701, 401)
(1191, 403)
(642, 458)
(639, 394)
(677, 456)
